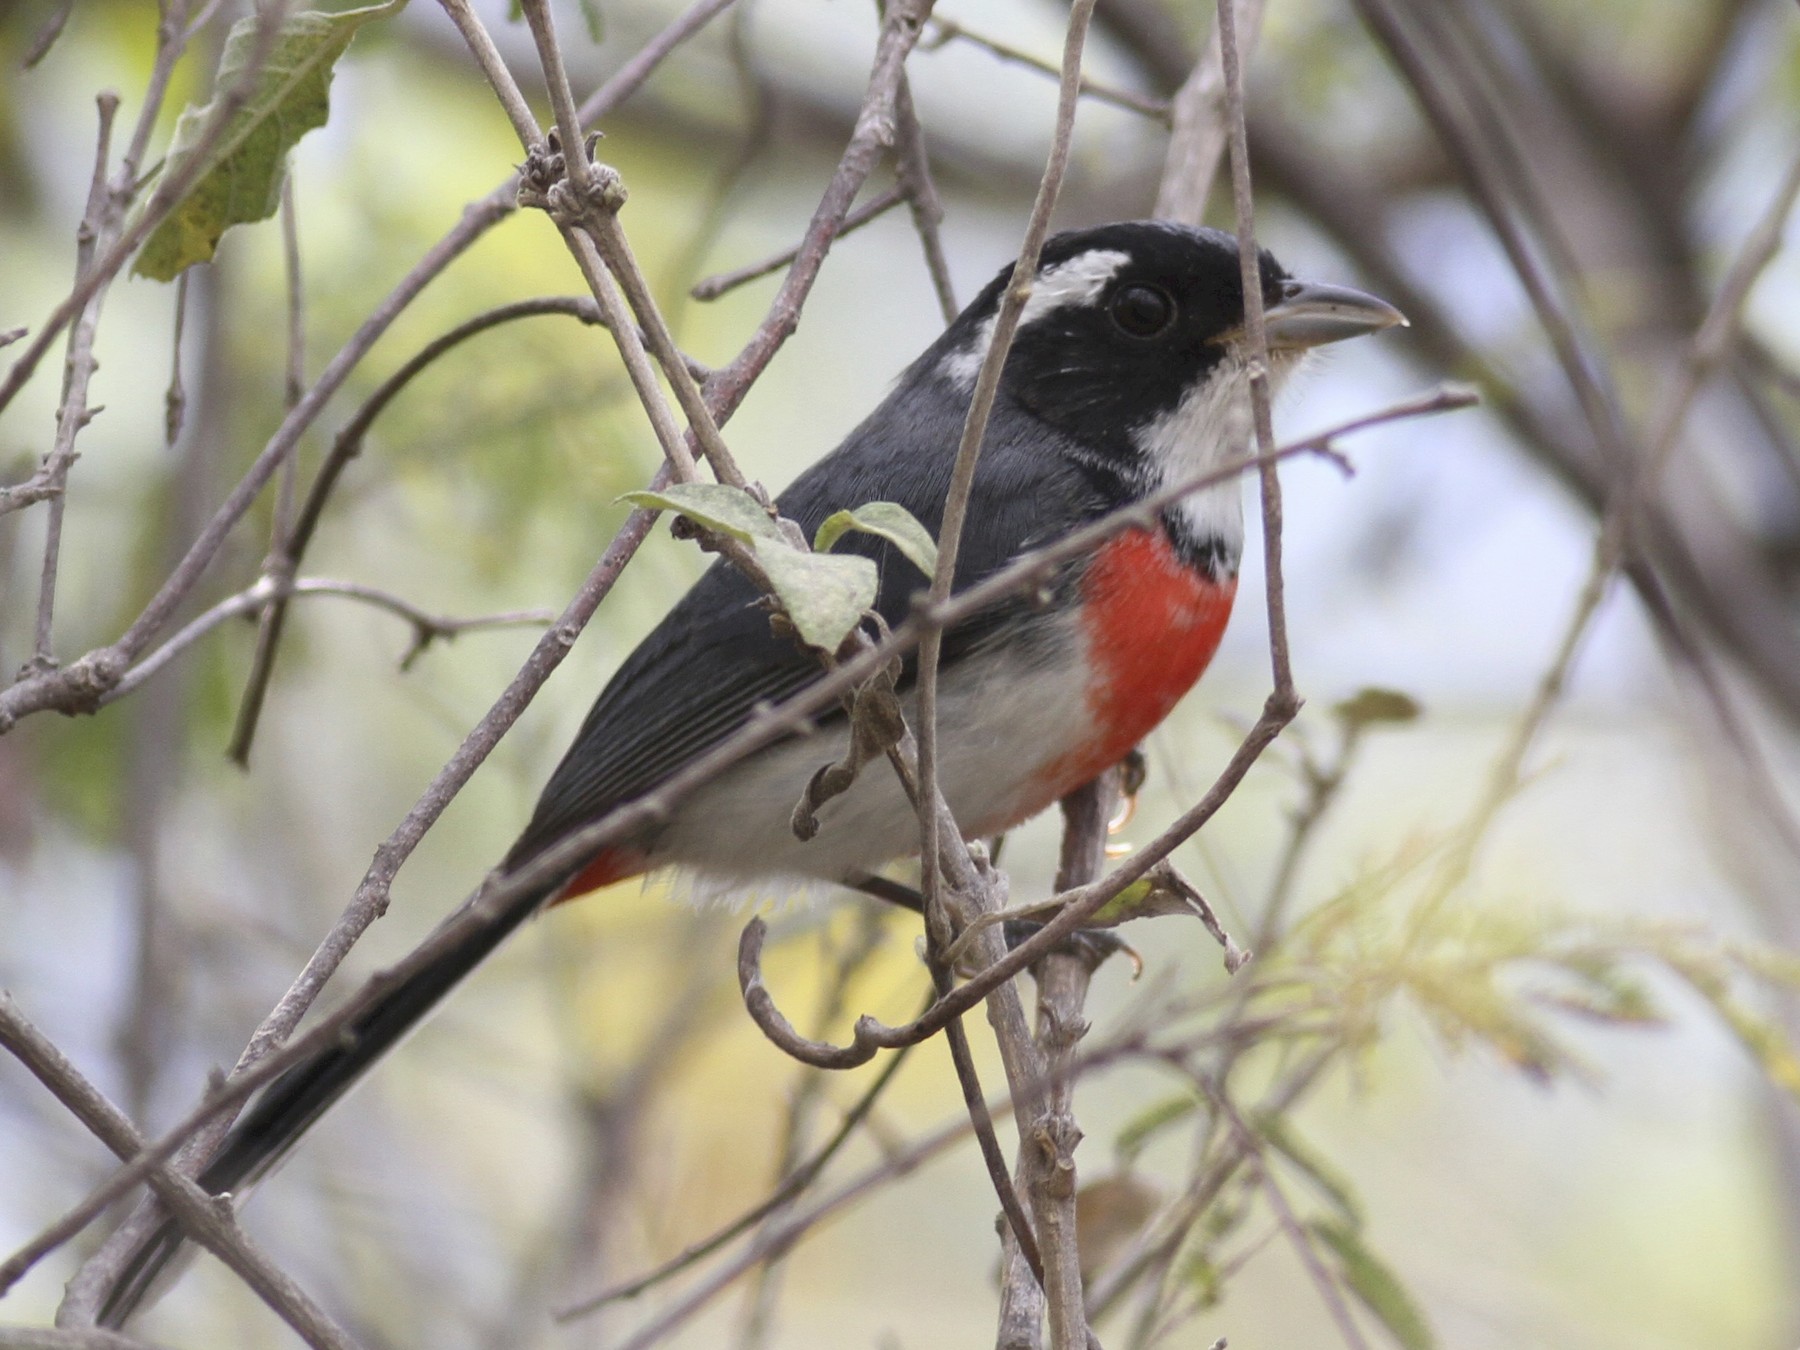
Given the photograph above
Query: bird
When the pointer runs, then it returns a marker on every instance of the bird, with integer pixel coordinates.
(1129, 372)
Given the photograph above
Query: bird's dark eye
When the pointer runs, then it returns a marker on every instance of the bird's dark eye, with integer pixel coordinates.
(1142, 311)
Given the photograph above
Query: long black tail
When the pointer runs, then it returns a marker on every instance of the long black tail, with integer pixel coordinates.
(283, 1112)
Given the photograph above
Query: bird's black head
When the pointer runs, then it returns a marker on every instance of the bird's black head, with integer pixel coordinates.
(1130, 326)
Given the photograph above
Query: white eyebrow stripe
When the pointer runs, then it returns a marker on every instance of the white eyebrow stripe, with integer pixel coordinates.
(1074, 281)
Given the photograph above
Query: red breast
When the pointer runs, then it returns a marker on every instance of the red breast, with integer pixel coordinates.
(1152, 624)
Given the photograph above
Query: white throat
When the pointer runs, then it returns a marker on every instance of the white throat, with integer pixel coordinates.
(1211, 427)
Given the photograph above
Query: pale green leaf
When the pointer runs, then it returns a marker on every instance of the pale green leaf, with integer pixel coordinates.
(1375, 1285)
(824, 594)
(890, 521)
(715, 506)
(288, 97)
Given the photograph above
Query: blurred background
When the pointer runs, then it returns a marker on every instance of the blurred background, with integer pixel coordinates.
(597, 1099)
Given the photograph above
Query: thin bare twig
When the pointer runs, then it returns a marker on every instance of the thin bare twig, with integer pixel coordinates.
(282, 559)
(945, 31)
(210, 1222)
(913, 170)
(78, 369)
(795, 1184)
(1284, 702)
(711, 288)
(1200, 125)
(427, 627)
(68, 1338)
(1296, 1233)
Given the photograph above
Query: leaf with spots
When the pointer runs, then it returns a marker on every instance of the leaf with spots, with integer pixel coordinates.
(286, 98)
(713, 506)
(824, 594)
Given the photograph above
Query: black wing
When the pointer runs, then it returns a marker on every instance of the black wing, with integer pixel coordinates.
(699, 674)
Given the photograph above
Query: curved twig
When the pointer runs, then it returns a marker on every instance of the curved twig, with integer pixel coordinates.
(774, 1023)
(822, 1055)
(346, 446)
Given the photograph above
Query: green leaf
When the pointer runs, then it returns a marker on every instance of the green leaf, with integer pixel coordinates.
(1375, 1285)
(892, 522)
(716, 506)
(824, 594)
(287, 97)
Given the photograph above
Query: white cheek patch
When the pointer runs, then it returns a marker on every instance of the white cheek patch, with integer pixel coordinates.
(1076, 281)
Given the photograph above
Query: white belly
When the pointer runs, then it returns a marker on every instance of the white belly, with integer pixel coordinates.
(1000, 723)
